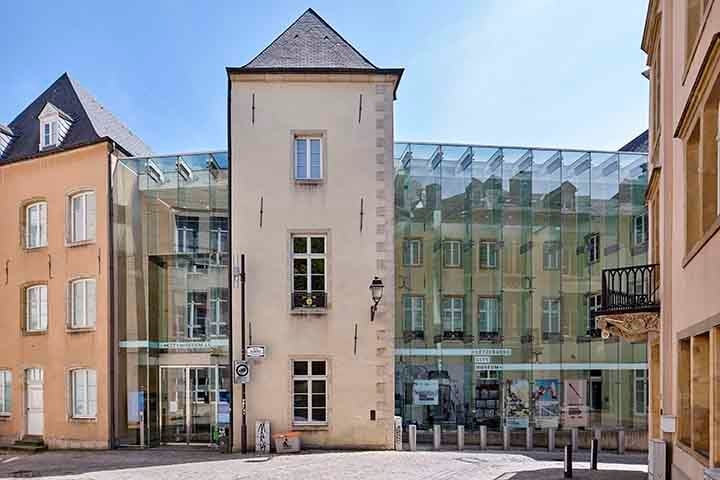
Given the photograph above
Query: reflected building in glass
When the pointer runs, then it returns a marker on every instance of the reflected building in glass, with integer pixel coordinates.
(171, 315)
(498, 270)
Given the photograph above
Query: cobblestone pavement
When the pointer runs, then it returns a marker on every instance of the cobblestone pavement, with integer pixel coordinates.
(171, 464)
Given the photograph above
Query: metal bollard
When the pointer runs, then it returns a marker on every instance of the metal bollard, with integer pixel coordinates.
(567, 470)
(621, 441)
(594, 453)
(506, 438)
(461, 437)
(412, 437)
(574, 439)
(551, 439)
(436, 437)
(483, 437)
(529, 431)
(597, 434)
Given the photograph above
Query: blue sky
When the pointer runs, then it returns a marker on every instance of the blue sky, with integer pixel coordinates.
(512, 72)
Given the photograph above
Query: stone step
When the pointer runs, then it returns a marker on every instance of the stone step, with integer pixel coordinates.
(28, 448)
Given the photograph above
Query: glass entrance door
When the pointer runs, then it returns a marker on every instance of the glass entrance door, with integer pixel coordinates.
(188, 404)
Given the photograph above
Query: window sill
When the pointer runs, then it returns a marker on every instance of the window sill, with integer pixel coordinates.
(710, 233)
(79, 329)
(308, 181)
(31, 333)
(5, 416)
(412, 266)
(82, 419)
(309, 311)
(453, 267)
(39, 248)
(79, 243)
(309, 427)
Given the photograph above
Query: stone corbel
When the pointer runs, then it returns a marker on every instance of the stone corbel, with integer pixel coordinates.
(632, 327)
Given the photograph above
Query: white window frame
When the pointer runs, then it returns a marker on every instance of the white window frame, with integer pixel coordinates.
(415, 306)
(488, 307)
(217, 320)
(551, 315)
(551, 255)
(191, 320)
(452, 253)
(183, 235)
(310, 378)
(640, 378)
(642, 222)
(5, 392)
(308, 256)
(308, 139)
(220, 237)
(36, 314)
(36, 238)
(412, 252)
(83, 393)
(594, 302)
(593, 246)
(49, 138)
(453, 310)
(491, 253)
(84, 315)
(83, 229)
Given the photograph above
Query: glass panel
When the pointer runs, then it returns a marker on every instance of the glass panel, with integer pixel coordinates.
(300, 244)
(315, 158)
(300, 368)
(317, 245)
(318, 368)
(172, 405)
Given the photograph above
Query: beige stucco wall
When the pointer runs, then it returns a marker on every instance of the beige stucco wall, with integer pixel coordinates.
(358, 165)
(52, 178)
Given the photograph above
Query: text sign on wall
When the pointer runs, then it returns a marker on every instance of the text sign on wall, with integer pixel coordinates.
(255, 351)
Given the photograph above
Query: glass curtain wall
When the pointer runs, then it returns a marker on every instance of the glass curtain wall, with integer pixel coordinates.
(171, 311)
(500, 253)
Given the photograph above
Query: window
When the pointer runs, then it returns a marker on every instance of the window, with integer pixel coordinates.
(412, 252)
(308, 158)
(219, 246)
(82, 217)
(82, 303)
(640, 392)
(195, 314)
(84, 393)
(551, 255)
(186, 234)
(309, 271)
(219, 312)
(414, 313)
(36, 314)
(309, 392)
(452, 253)
(640, 230)
(5, 392)
(551, 315)
(49, 135)
(488, 315)
(593, 248)
(488, 254)
(452, 315)
(36, 225)
(694, 11)
(594, 301)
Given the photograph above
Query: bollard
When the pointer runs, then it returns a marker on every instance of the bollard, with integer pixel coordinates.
(597, 434)
(529, 431)
(551, 439)
(461, 437)
(567, 470)
(412, 437)
(573, 439)
(621, 441)
(594, 453)
(436, 437)
(506, 438)
(483, 437)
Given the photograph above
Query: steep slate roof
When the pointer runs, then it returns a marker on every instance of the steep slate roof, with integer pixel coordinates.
(637, 144)
(310, 42)
(91, 122)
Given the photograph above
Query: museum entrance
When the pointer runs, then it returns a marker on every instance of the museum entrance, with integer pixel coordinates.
(194, 404)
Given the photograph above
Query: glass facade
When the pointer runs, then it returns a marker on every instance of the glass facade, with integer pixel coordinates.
(499, 259)
(171, 310)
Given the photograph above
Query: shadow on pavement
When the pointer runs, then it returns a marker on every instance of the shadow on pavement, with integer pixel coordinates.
(557, 474)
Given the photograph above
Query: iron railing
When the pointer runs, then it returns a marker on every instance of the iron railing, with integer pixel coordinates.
(630, 290)
(309, 300)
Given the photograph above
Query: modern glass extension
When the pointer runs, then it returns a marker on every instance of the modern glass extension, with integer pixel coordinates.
(498, 269)
(171, 315)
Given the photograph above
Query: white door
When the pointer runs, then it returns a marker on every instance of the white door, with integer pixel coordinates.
(34, 401)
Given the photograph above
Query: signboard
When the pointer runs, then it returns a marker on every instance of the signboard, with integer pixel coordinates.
(575, 409)
(255, 351)
(425, 392)
(517, 403)
(481, 367)
(241, 372)
(546, 402)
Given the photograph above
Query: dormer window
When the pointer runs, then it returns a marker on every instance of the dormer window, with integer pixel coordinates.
(54, 125)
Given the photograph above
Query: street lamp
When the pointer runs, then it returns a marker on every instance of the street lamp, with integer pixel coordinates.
(376, 292)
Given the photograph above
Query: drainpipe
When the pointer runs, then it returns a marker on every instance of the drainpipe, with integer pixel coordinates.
(112, 344)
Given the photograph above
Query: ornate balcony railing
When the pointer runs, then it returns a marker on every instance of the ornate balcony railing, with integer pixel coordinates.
(630, 290)
(309, 300)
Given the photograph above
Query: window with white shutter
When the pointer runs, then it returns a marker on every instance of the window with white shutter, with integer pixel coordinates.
(82, 303)
(36, 225)
(36, 313)
(82, 217)
(84, 393)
